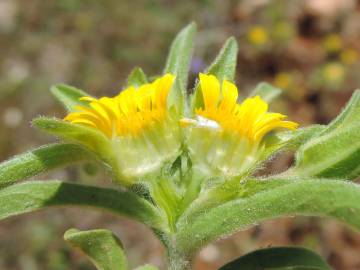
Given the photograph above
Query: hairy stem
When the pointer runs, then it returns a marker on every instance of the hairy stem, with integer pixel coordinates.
(177, 261)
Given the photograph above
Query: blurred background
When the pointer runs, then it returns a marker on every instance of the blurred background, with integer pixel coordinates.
(309, 48)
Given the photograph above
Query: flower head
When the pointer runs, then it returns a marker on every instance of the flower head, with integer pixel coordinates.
(226, 136)
(141, 131)
(129, 113)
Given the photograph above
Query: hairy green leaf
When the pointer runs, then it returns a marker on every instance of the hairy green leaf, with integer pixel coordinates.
(87, 136)
(31, 196)
(91, 138)
(300, 136)
(266, 91)
(350, 114)
(334, 155)
(317, 197)
(102, 247)
(69, 96)
(136, 78)
(147, 267)
(223, 67)
(178, 63)
(40, 160)
(335, 151)
(291, 258)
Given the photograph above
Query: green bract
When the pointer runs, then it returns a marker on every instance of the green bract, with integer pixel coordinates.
(187, 206)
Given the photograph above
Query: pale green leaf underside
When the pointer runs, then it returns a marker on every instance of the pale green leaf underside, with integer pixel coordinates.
(337, 199)
(37, 161)
(31, 196)
(178, 63)
(89, 137)
(137, 78)
(102, 247)
(223, 67)
(68, 96)
(266, 91)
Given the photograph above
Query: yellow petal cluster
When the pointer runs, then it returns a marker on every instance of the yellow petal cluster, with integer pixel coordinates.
(128, 113)
(250, 118)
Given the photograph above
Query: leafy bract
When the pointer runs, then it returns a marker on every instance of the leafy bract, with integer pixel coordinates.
(69, 96)
(178, 63)
(223, 67)
(137, 78)
(266, 91)
(102, 247)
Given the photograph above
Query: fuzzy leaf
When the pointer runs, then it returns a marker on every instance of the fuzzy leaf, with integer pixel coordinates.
(178, 63)
(350, 114)
(259, 201)
(40, 160)
(300, 136)
(335, 151)
(102, 247)
(223, 67)
(87, 136)
(91, 138)
(69, 96)
(31, 196)
(334, 155)
(266, 91)
(147, 267)
(136, 78)
(279, 258)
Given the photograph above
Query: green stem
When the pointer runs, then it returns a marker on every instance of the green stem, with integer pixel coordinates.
(178, 260)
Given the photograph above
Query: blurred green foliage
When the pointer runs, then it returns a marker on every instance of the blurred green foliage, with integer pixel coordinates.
(308, 48)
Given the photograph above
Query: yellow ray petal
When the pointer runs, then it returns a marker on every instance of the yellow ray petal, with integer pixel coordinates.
(210, 88)
(229, 95)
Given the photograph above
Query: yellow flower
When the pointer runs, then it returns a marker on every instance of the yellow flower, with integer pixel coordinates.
(249, 119)
(349, 56)
(283, 80)
(142, 133)
(258, 35)
(226, 137)
(129, 113)
(333, 43)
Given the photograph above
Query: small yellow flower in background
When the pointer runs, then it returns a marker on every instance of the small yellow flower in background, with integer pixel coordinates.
(142, 133)
(283, 80)
(333, 43)
(258, 35)
(333, 73)
(226, 137)
(349, 56)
